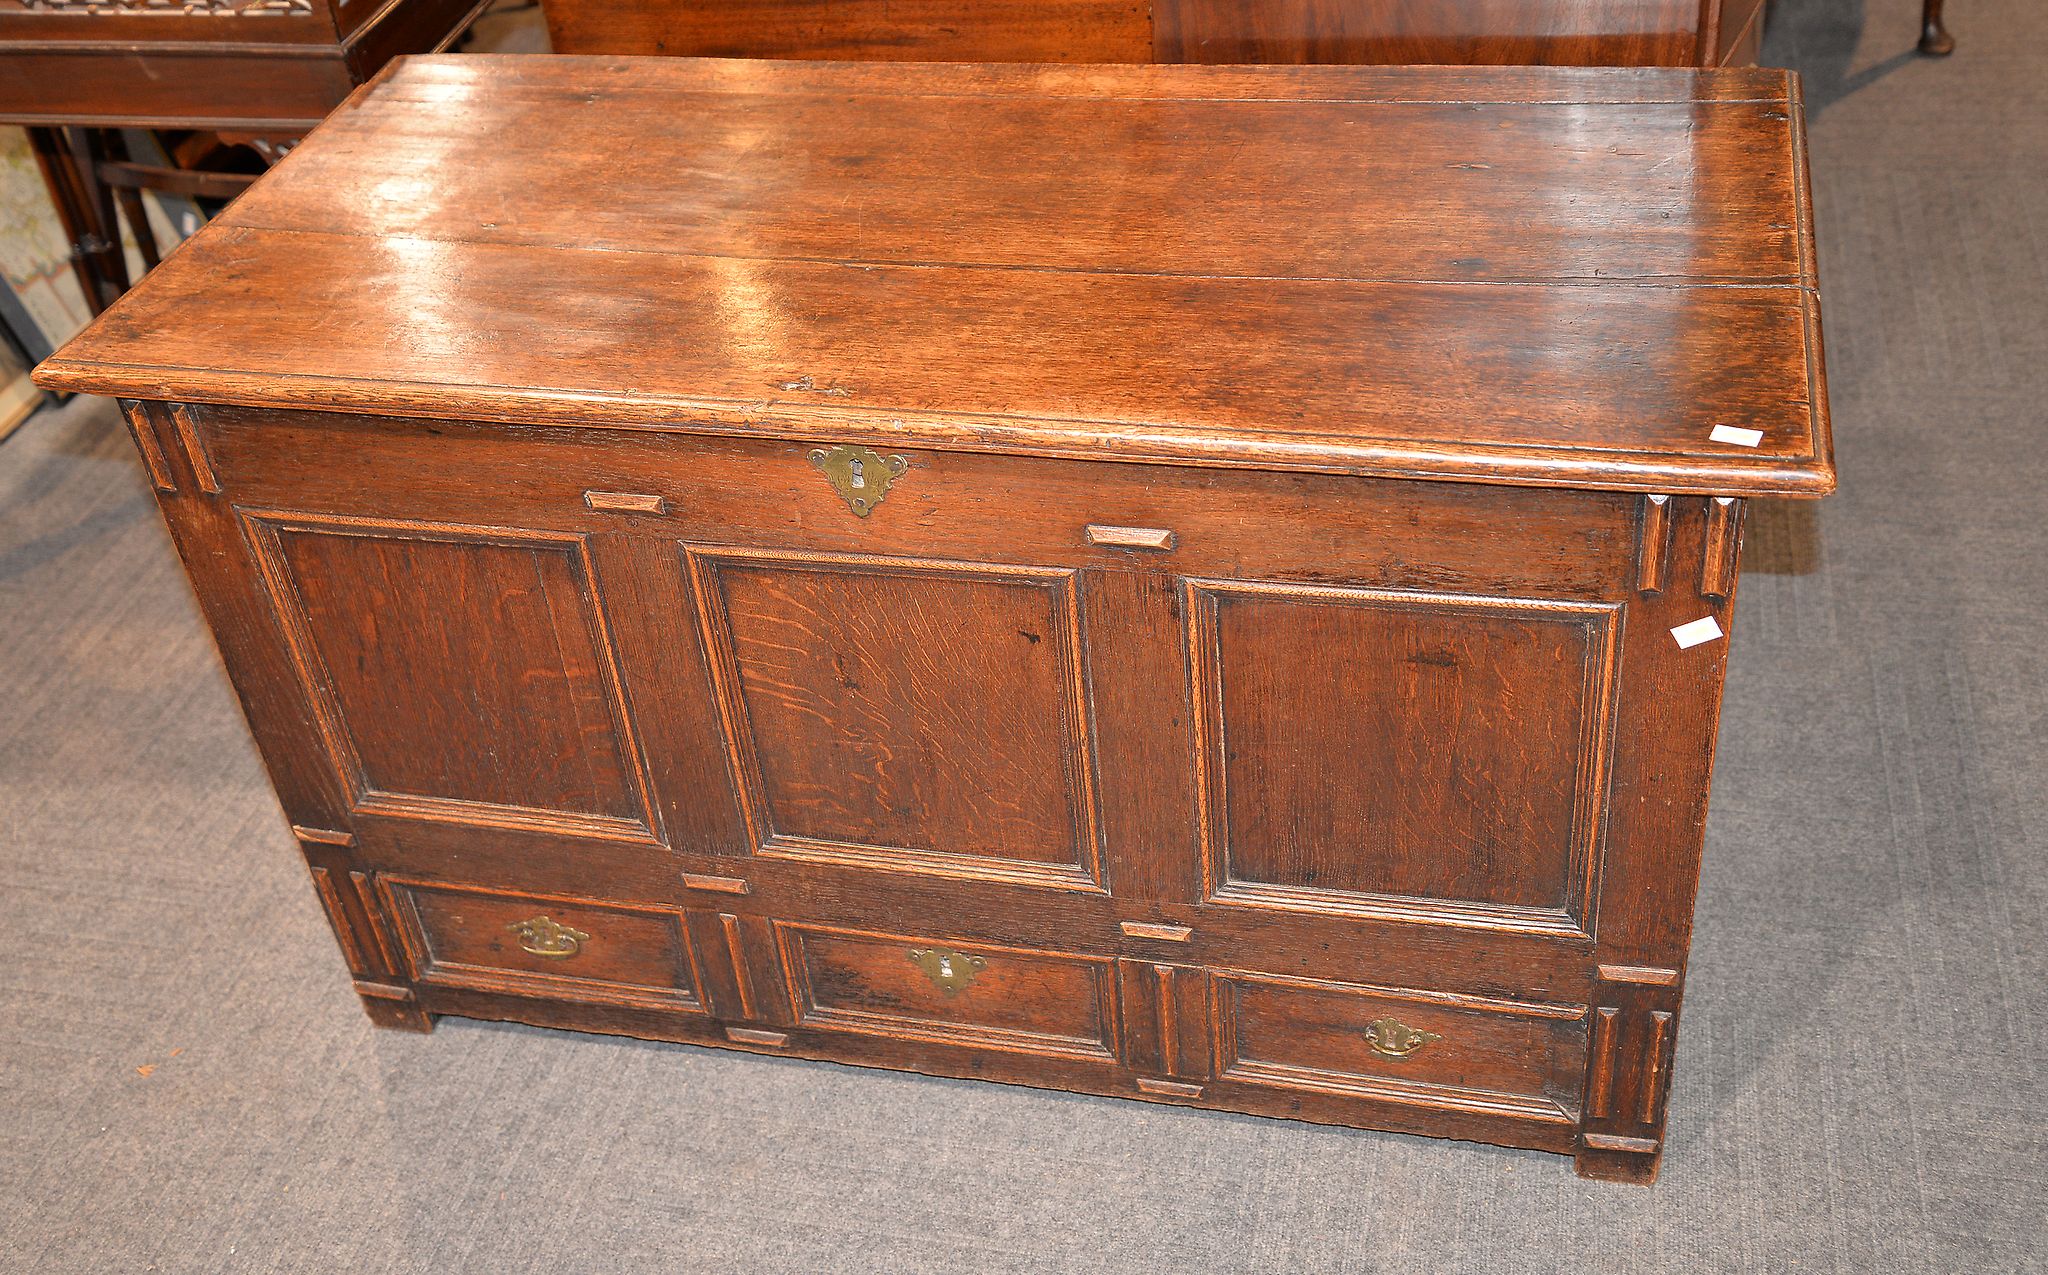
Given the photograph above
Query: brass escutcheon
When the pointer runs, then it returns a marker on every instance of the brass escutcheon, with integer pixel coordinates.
(951, 971)
(1396, 1039)
(544, 936)
(860, 475)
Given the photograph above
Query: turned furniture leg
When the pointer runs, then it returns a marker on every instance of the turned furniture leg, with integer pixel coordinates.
(1935, 41)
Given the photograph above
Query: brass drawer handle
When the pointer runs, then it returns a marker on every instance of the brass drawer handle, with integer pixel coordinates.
(1129, 537)
(1396, 1039)
(544, 936)
(949, 971)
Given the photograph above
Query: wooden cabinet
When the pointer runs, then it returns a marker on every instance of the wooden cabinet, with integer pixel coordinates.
(1093, 657)
(257, 72)
(270, 67)
(1496, 32)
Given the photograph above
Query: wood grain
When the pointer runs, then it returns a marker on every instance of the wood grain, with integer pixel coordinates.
(1566, 32)
(1501, 32)
(1238, 660)
(1288, 304)
(918, 30)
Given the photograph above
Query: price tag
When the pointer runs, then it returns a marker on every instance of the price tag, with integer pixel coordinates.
(1704, 629)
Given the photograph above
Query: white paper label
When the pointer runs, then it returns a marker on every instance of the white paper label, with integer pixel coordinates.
(1737, 435)
(1704, 629)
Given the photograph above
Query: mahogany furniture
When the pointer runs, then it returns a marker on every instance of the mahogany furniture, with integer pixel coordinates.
(1935, 41)
(1200, 584)
(261, 72)
(1559, 32)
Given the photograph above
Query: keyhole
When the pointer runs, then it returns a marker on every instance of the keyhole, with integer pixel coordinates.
(859, 480)
(945, 967)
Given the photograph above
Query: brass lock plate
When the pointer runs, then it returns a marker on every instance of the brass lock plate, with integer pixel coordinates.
(949, 971)
(861, 475)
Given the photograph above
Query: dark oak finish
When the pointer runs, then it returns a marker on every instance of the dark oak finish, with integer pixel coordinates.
(1242, 676)
(1505, 32)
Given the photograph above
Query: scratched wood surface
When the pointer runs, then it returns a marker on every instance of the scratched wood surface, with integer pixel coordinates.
(1526, 276)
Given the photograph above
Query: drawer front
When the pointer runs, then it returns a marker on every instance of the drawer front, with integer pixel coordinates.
(1414, 1047)
(544, 945)
(956, 505)
(950, 992)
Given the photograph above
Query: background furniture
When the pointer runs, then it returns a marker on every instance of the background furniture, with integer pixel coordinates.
(1576, 32)
(1055, 576)
(258, 72)
(1934, 37)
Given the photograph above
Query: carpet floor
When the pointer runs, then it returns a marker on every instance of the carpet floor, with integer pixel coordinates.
(187, 1083)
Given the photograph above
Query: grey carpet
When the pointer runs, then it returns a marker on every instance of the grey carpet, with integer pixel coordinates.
(1860, 1085)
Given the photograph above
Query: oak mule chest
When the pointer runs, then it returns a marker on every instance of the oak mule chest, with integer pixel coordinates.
(1193, 583)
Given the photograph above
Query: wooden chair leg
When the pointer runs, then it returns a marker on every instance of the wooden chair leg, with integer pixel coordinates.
(114, 151)
(88, 151)
(66, 160)
(1935, 41)
(138, 223)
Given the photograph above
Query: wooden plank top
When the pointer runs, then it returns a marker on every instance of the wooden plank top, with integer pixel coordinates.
(1554, 276)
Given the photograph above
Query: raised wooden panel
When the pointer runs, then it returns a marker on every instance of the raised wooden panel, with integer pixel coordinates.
(544, 945)
(457, 673)
(869, 30)
(1414, 756)
(1007, 998)
(909, 715)
(1416, 1047)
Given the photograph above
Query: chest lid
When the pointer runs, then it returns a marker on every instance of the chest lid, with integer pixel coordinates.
(1554, 276)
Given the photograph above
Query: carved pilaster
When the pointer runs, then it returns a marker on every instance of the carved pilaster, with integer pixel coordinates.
(1628, 1073)
(1724, 542)
(362, 929)
(186, 424)
(1167, 1026)
(142, 427)
(1653, 553)
(744, 987)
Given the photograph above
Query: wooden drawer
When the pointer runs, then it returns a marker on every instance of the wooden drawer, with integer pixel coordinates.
(769, 495)
(950, 992)
(544, 945)
(1419, 1048)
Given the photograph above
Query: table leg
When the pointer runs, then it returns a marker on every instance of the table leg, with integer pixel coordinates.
(1935, 41)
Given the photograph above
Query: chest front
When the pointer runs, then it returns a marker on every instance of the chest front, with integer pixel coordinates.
(1285, 686)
